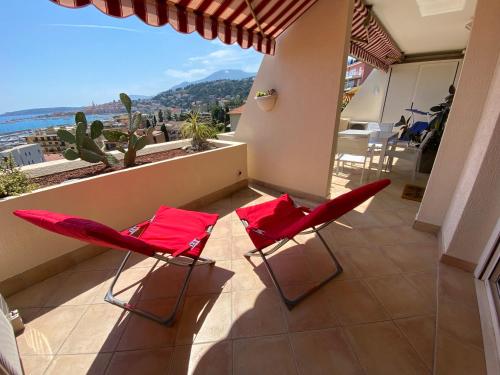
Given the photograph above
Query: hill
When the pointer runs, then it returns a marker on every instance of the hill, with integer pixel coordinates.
(234, 92)
(41, 111)
(231, 74)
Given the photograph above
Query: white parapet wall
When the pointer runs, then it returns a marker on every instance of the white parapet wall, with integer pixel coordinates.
(118, 199)
(56, 166)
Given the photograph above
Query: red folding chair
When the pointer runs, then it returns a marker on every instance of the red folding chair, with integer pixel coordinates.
(280, 220)
(172, 235)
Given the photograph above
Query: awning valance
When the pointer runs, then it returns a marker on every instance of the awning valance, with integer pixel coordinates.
(370, 42)
(250, 23)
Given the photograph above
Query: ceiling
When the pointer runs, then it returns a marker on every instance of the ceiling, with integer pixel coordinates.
(416, 34)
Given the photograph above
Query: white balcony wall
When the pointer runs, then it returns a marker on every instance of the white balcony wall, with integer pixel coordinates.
(475, 207)
(383, 97)
(468, 106)
(367, 104)
(118, 199)
(291, 146)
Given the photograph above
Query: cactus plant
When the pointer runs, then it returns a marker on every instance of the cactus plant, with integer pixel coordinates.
(86, 147)
(134, 143)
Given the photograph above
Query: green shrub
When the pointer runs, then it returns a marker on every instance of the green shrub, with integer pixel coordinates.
(13, 181)
(198, 131)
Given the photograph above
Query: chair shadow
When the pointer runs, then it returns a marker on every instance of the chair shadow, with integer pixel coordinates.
(292, 283)
(147, 291)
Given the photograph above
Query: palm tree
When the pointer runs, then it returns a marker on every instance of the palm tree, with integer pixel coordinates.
(198, 132)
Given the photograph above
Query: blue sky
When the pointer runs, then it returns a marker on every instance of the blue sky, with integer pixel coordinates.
(53, 56)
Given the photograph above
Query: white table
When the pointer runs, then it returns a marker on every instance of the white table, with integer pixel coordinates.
(381, 138)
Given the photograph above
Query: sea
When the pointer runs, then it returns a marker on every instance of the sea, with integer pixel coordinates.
(12, 124)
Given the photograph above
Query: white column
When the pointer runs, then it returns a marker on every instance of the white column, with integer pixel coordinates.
(291, 145)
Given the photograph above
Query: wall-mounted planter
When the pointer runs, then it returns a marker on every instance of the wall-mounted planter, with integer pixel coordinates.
(266, 103)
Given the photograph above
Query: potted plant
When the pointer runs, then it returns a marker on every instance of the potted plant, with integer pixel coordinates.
(266, 99)
(439, 117)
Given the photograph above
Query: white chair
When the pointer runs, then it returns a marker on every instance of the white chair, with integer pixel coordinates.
(343, 124)
(411, 153)
(354, 150)
(374, 126)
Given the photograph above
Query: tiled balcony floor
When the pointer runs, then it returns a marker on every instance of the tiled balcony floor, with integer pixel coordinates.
(378, 317)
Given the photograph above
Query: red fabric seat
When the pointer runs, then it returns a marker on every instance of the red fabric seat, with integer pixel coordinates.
(267, 220)
(272, 221)
(171, 230)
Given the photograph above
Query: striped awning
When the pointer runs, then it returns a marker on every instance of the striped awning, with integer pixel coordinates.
(250, 23)
(370, 42)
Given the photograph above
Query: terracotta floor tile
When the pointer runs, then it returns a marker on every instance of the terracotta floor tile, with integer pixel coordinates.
(142, 333)
(36, 364)
(426, 284)
(129, 286)
(109, 260)
(46, 333)
(249, 274)
(324, 352)
(290, 265)
(263, 355)
(385, 217)
(98, 331)
(221, 230)
(238, 229)
(207, 359)
(139, 260)
(455, 358)
(382, 349)
(210, 279)
(344, 236)
(314, 312)
(164, 282)
(410, 235)
(240, 245)
(361, 219)
(399, 297)
(218, 248)
(407, 215)
(204, 318)
(80, 364)
(420, 332)
(460, 321)
(457, 285)
(381, 236)
(321, 266)
(79, 288)
(144, 362)
(370, 261)
(353, 302)
(413, 257)
(256, 313)
(38, 294)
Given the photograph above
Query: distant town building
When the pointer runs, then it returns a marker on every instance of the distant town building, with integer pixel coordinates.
(49, 140)
(356, 73)
(25, 154)
(234, 116)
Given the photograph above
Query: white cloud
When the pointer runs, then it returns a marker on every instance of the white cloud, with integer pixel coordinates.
(187, 74)
(95, 27)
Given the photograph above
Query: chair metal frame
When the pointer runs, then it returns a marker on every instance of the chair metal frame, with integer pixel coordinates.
(291, 303)
(188, 262)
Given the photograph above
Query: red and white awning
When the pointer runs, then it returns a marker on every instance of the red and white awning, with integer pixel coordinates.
(369, 40)
(250, 23)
